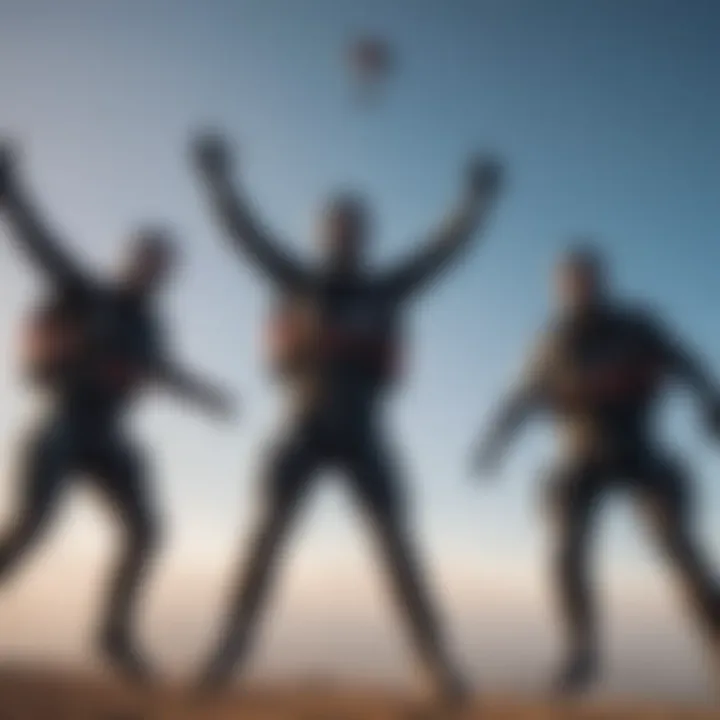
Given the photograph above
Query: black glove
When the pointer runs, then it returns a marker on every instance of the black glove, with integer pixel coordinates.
(485, 175)
(212, 155)
(7, 167)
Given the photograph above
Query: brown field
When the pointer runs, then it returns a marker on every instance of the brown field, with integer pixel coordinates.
(27, 695)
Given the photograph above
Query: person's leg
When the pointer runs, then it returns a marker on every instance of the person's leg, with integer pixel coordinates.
(377, 481)
(574, 490)
(285, 479)
(120, 471)
(666, 499)
(45, 462)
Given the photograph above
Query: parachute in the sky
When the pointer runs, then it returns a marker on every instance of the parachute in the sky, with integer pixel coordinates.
(371, 61)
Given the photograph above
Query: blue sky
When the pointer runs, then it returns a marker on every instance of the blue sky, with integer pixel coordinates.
(606, 114)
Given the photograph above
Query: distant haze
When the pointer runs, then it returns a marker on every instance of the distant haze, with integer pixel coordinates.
(335, 619)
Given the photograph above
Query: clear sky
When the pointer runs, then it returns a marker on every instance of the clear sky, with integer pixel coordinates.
(607, 114)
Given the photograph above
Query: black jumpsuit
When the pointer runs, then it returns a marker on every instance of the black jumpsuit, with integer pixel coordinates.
(337, 394)
(82, 433)
(602, 377)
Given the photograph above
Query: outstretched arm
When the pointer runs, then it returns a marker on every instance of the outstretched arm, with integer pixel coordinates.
(507, 421)
(187, 386)
(27, 227)
(692, 371)
(213, 162)
(455, 235)
(686, 366)
(515, 410)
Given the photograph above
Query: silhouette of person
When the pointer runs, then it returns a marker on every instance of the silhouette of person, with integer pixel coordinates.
(601, 369)
(92, 346)
(335, 341)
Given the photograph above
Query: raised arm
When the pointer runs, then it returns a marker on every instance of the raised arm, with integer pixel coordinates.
(455, 234)
(529, 397)
(28, 229)
(213, 162)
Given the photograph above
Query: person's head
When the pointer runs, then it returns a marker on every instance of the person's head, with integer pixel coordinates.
(580, 278)
(150, 256)
(343, 234)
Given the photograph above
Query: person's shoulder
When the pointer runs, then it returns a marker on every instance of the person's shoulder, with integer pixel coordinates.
(282, 302)
(547, 341)
(554, 330)
(80, 289)
(642, 321)
(72, 294)
(637, 314)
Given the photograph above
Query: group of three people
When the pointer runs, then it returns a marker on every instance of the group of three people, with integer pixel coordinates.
(334, 341)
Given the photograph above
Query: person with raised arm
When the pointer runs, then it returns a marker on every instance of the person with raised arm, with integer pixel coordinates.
(335, 341)
(92, 346)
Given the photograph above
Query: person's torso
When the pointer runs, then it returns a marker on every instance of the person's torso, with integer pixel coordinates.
(337, 346)
(91, 347)
(605, 377)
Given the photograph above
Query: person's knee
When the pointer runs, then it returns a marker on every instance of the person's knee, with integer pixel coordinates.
(282, 479)
(570, 519)
(390, 522)
(18, 539)
(570, 562)
(273, 523)
(151, 532)
(399, 546)
(384, 499)
(27, 526)
(675, 542)
(144, 534)
(667, 488)
(567, 562)
(667, 518)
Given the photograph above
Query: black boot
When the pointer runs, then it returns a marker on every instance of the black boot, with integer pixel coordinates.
(120, 651)
(577, 675)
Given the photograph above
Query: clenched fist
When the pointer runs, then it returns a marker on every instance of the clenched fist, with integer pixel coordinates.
(213, 156)
(8, 162)
(485, 175)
